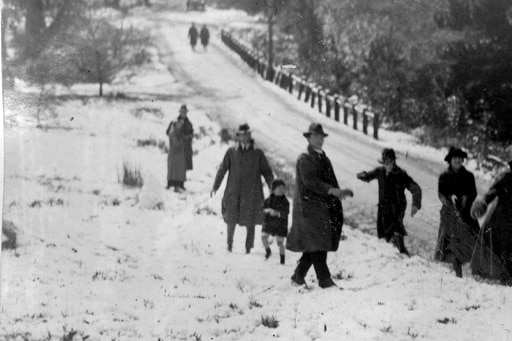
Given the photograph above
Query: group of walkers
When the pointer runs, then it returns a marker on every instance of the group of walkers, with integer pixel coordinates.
(203, 35)
(317, 215)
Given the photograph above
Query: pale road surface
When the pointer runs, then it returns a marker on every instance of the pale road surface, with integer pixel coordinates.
(231, 93)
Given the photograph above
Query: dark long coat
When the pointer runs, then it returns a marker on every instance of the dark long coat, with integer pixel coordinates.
(205, 36)
(276, 226)
(188, 134)
(493, 252)
(193, 34)
(392, 200)
(176, 167)
(457, 230)
(243, 197)
(317, 217)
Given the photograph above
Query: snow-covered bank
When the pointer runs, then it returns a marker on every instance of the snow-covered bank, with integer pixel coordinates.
(96, 261)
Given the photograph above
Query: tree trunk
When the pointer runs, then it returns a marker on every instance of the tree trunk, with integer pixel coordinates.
(101, 88)
(34, 24)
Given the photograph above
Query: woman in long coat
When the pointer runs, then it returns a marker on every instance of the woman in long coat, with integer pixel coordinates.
(243, 196)
(457, 229)
(188, 134)
(176, 167)
(493, 252)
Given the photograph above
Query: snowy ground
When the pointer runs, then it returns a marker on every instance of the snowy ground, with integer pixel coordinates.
(97, 261)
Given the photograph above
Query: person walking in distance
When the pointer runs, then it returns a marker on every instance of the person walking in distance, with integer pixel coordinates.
(204, 35)
(243, 196)
(457, 229)
(176, 168)
(188, 135)
(393, 181)
(317, 215)
(192, 35)
(275, 221)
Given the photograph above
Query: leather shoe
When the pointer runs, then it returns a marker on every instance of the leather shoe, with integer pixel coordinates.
(298, 280)
(326, 283)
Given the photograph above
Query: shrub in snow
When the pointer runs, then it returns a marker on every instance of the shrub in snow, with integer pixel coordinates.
(151, 194)
(132, 176)
(269, 321)
(9, 235)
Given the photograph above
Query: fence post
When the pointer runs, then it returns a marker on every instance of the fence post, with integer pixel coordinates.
(365, 121)
(346, 110)
(375, 125)
(313, 95)
(290, 84)
(308, 93)
(320, 99)
(336, 108)
(327, 106)
(354, 112)
(301, 89)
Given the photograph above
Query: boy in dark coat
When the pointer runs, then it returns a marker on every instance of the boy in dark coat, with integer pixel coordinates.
(393, 181)
(317, 216)
(275, 221)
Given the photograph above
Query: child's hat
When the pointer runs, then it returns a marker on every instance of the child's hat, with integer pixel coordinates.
(276, 183)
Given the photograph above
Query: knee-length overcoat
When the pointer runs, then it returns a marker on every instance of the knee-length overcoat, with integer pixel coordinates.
(317, 217)
(243, 196)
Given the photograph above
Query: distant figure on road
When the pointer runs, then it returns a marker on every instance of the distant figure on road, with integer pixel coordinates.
(188, 134)
(176, 167)
(192, 35)
(243, 196)
(317, 215)
(457, 229)
(205, 36)
(493, 252)
(275, 221)
(393, 181)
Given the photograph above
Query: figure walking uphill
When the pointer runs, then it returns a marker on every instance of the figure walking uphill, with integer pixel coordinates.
(243, 196)
(457, 229)
(275, 221)
(392, 182)
(493, 253)
(317, 215)
(193, 35)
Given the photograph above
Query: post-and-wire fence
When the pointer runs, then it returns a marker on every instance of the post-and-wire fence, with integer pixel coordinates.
(332, 105)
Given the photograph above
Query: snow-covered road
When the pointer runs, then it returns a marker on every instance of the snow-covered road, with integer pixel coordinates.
(232, 93)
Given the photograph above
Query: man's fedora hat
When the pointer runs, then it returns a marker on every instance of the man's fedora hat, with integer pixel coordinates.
(184, 107)
(455, 152)
(243, 129)
(388, 155)
(315, 128)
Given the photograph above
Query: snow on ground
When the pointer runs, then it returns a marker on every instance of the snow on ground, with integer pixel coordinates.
(96, 262)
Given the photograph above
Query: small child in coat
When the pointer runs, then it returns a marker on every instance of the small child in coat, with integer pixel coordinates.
(275, 222)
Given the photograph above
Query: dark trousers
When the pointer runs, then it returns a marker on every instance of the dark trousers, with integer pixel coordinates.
(319, 261)
(249, 239)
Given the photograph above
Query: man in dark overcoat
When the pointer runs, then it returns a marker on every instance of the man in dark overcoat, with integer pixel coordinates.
(457, 229)
(493, 253)
(317, 215)
(243, 196)
(393, 181)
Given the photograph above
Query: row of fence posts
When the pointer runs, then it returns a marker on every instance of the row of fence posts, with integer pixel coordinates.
(335, 105)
